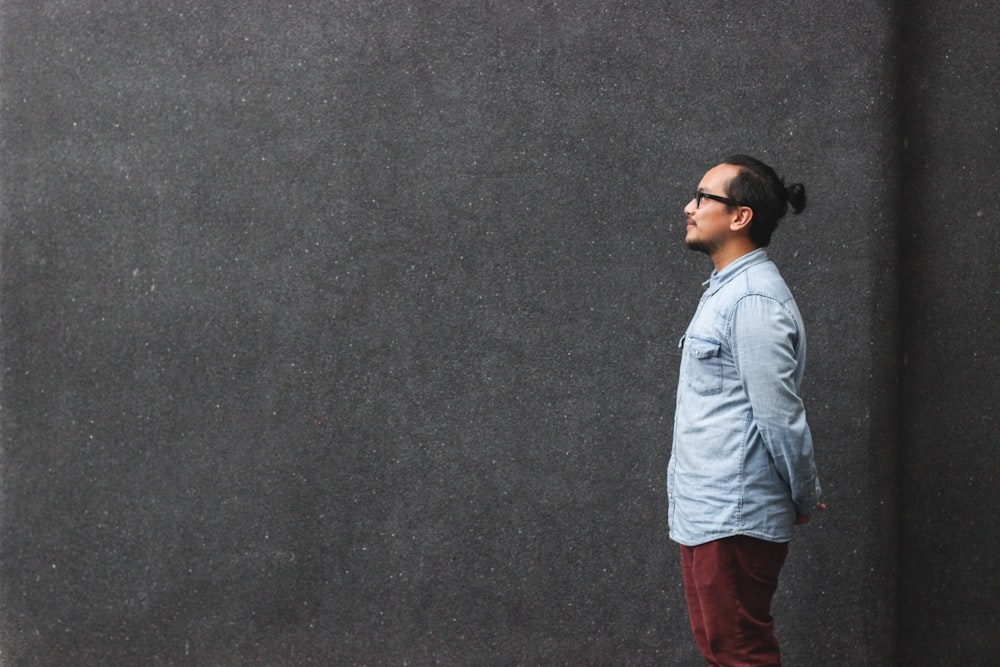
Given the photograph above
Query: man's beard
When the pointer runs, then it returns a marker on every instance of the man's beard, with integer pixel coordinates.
(697, 245)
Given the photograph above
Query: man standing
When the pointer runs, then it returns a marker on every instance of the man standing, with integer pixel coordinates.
(741, 473)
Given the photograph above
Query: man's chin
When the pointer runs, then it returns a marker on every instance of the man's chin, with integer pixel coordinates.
(694, 244)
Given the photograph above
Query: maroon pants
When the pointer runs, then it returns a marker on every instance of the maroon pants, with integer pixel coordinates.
(729, 584)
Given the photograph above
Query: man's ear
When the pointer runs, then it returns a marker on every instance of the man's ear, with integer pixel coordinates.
(744, 214)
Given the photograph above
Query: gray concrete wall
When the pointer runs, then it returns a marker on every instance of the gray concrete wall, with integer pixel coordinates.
(344, 332)
(950, 93)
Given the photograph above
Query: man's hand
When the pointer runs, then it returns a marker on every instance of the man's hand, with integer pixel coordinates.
(804, 518)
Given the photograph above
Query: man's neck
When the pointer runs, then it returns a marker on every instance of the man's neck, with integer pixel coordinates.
(731, 252)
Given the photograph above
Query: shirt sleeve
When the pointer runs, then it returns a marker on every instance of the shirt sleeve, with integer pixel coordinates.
(769, 358)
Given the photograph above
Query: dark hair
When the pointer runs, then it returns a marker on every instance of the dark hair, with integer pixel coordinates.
(759, 187)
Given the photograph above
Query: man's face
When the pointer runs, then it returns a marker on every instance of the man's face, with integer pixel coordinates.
(708, 225)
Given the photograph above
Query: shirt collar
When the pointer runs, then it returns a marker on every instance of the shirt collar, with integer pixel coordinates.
(720, 278)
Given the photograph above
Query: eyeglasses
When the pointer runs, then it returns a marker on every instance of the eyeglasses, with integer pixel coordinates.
(698, 196)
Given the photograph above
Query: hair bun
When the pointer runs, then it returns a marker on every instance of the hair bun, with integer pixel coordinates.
(796, 195)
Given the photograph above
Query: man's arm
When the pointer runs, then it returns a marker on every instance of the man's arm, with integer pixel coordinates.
(765, 346)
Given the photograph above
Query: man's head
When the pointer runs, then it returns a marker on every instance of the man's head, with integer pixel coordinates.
(737, 208)
(758, 186)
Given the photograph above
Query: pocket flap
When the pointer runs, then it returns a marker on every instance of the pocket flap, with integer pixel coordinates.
(704, 348)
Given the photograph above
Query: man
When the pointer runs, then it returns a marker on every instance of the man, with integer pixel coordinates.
(741, 473)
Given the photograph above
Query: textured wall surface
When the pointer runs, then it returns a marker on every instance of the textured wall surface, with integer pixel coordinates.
(345, 332)
(950, 232)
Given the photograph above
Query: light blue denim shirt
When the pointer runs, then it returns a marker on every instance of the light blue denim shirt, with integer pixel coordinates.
(742, 459)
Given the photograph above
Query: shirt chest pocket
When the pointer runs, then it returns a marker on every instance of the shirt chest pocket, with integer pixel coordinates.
(703, 364)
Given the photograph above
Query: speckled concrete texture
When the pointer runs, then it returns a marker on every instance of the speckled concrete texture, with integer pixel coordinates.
(344, 333)
(950, 577)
